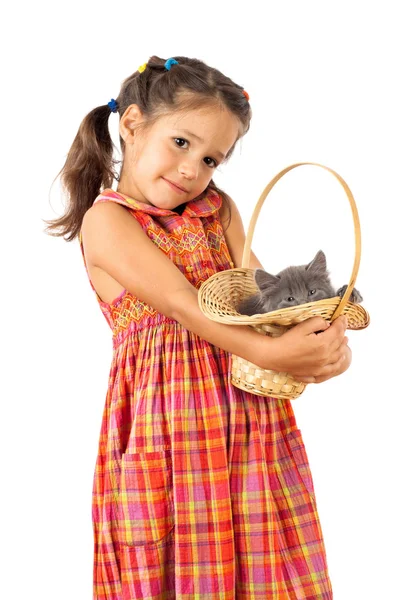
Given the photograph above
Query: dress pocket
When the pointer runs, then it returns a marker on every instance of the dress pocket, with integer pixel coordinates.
(300, 458)
(145, 503)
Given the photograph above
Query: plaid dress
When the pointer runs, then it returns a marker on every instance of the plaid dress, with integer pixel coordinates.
(201, 491)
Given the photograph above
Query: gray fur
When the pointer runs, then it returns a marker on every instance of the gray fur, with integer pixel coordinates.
(293, 286)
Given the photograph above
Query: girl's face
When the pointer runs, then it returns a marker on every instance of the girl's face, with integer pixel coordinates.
(173, 161)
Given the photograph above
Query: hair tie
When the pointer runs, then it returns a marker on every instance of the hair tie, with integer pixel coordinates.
(113, 105)
(245, 94)
(142, 68)
(168, 63)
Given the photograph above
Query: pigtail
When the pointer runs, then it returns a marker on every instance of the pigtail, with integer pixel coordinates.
(88, 169)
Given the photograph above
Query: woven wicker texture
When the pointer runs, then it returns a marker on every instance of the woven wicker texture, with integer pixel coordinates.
(221, 293)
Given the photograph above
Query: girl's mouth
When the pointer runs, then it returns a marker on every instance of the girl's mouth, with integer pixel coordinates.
(175, 187)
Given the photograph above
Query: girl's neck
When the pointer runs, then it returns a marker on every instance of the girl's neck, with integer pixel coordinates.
(179, 209)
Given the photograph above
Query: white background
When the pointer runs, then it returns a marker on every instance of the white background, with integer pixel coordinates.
(323, 85)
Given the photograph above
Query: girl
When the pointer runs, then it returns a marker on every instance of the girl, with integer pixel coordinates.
(201, 490)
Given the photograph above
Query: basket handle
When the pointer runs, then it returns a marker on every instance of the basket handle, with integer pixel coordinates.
(357, 231)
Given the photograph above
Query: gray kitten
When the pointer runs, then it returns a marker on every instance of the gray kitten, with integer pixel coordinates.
(293, 286)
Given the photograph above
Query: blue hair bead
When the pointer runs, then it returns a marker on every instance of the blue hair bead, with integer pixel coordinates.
(168, 63)
(113, 105)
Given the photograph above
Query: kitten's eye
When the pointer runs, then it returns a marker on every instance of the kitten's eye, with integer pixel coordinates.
(311, 292)
(290, 299)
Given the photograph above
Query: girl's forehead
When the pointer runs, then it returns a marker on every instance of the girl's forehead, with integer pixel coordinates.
(203, 122)
(197, 113)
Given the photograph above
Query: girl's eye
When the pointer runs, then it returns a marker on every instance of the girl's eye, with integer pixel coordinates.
(311, 292)
(213, 164)
(290, 299)
(179, 140)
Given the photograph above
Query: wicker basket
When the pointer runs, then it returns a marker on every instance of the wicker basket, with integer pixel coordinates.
(221, 293)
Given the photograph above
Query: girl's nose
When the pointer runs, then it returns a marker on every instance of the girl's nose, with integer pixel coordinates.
(189, 169)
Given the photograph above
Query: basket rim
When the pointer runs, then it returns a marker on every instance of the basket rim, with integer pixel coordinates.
(273, 317)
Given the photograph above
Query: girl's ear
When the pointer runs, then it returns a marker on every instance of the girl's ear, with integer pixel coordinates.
(131, 117)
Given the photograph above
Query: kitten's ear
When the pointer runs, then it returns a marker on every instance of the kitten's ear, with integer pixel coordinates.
(265, 280)
(318, 263)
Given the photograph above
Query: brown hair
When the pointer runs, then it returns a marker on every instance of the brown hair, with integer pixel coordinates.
(90, 166)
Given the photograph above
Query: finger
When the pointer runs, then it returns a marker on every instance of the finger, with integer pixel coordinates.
(335, 334)
(340, 352)
(334, 359)
(335, 367)
(324, 373)
(342, 321)
(331, 370)
(314, 325)
(307, 380)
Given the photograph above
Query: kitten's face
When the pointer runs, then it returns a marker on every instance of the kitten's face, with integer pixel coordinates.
(294, 285)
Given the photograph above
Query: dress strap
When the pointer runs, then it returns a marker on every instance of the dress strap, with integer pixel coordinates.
(194, 208)
(109, 195)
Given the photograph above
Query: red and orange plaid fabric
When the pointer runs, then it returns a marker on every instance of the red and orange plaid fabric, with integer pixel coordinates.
(201, 491)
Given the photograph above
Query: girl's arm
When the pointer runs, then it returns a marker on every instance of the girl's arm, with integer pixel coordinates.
(115, 242)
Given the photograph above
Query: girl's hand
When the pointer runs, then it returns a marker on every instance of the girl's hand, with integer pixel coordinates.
(333, 370)
(313, 350)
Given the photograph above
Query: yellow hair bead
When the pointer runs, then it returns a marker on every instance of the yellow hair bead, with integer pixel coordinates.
(142, 68)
